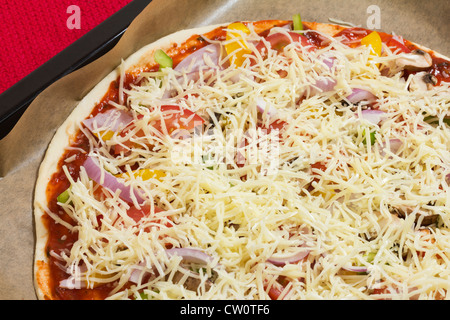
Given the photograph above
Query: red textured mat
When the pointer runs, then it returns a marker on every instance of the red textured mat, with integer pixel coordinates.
(33, 31)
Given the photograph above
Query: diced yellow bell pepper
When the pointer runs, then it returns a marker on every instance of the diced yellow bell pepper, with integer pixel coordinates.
(145, 174)
(236, 46)
(373, 40)
(104, 135)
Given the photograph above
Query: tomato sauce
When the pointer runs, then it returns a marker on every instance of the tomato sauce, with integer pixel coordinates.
(440, 69)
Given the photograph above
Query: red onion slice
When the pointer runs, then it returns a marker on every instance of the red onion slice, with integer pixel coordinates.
(393, 146)
(196, 60)
(295, 258)
(359, 95)
(329, 62)
(263, 106)
(323, 84)
(373, 116)
(279, 40)
(107, 180)
(192, 65)
(72, 283)
(137, 273)
(112, 119)
(190, 255)
(140, 274)
(359, 269)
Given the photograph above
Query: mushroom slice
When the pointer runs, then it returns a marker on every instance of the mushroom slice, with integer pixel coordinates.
(191, 281)
(416, 60)
(424, 218)
(422, 81)
(429, 220)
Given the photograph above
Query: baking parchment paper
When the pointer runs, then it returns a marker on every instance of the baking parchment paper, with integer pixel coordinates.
(424, 22)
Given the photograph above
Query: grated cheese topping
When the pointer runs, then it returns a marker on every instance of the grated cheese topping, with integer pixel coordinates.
(368, 220)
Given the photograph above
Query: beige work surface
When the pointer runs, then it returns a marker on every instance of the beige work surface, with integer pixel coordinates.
(424, 22)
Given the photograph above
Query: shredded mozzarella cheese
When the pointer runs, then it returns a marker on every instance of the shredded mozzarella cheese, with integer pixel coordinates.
(280, 202)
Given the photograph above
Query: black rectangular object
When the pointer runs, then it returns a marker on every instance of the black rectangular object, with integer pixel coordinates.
(15, 100)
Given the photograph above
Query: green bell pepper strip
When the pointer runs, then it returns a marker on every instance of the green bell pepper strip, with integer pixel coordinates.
(64, 196)
(297, 21)
(371, 137)
(163, 59)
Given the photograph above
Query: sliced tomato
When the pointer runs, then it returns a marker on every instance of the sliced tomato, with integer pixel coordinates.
(319, 165)
(352, 36)
(138, 213)
(128, 144)
(398, 45)
(275, 291)
(391, 290)
(176, 117)
(277, 125)
(382, 290)
(277, 288)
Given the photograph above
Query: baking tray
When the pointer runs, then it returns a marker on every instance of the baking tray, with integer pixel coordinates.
(15, 100)
(23, 149)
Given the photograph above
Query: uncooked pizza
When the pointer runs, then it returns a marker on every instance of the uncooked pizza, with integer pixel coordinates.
(253, 160)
